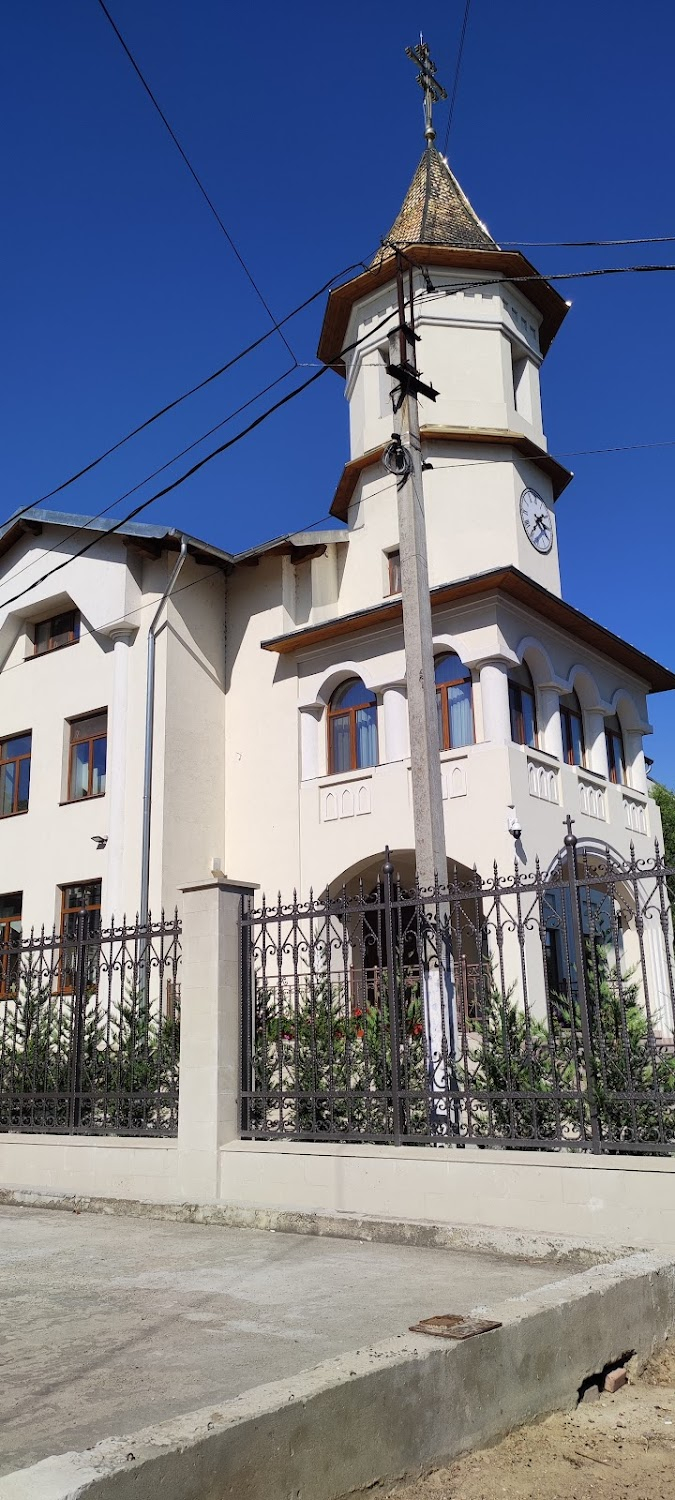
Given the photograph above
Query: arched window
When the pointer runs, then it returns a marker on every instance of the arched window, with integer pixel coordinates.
(352, 728)
(454, 703)
(522, 705)
(572, 726)
(616, 758)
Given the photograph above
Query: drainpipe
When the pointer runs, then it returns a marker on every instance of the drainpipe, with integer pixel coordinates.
(149, 733)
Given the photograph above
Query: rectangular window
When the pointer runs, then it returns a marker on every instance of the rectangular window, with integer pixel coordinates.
(572, 737)
(76, 899)
(60, 630)
(14, 774)
(523, 719)
(10, 942)
(394, 561)
(88, 750)
(617, 772)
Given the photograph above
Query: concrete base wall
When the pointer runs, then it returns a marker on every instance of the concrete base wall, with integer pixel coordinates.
(381, 1412)
(627, 1199)
(623, 1200)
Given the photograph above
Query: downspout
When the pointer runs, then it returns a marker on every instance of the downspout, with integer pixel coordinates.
(150, 733)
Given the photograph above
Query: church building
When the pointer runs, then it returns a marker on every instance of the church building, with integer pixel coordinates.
(170, 711)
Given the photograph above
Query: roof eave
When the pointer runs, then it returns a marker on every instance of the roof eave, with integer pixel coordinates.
(511, 264)
(560, 476)
(515, 585)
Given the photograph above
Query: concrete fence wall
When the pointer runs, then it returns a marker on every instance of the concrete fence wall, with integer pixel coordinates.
(627, 1199)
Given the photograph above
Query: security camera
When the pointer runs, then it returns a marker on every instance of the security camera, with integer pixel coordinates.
(513, 824)
(99, 840)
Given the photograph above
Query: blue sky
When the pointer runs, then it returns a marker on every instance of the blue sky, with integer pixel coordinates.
(120, 291)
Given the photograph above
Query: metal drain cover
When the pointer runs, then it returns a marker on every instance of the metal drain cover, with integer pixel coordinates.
(453, 1326)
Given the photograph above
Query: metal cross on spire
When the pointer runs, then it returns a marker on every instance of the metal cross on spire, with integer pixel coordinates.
(433, 91)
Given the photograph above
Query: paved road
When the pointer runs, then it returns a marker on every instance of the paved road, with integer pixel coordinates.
(107, 1324)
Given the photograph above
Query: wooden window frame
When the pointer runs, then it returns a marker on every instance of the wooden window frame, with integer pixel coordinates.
(394, 571)
(610, 736)
(442, 693)
(519, 688)
(90, 741)
(566, 716)
(351, 712)
(65, 982)
(73, 634)
(8, 760)
(6, 988)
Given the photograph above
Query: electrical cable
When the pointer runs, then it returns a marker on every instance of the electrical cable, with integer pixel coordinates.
(177, 401)
(175, 483)
(174, 459)
(652, 239)
(200, 185)
(297, 390)
(458, 65)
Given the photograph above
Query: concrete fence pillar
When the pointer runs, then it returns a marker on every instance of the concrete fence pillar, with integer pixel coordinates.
(208, 1107)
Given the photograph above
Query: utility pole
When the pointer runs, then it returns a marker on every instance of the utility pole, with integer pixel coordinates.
(403, 457)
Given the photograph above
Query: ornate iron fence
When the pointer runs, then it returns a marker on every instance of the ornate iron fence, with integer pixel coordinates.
(89, 1029)
(536, 1010)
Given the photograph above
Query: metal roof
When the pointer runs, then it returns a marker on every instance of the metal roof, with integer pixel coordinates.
(435, 211)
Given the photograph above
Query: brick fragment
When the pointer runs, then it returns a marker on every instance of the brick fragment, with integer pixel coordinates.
(615, 1380)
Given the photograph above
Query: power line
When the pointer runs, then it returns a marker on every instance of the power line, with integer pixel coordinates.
(650, 239)
(250, 348)
(297, 390)
(458, 65)
(178, 400)
(174, 459)
(200, 185)
(175, 483)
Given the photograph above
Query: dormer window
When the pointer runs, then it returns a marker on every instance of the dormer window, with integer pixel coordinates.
(57, 631)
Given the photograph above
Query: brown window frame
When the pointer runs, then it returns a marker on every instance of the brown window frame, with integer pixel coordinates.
(65, 974)
(8, 760)
(394, 570)
(350, 712)
(8, 987)
(52, 645)
(566, 716)
(442, 694)
(102, 735)
(612, 735)
(517, 688)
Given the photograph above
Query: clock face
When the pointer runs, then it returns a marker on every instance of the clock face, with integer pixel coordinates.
(536, 519)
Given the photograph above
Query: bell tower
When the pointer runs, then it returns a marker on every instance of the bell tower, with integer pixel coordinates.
(484, 321)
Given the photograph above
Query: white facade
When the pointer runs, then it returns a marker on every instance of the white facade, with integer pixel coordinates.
(251, 649)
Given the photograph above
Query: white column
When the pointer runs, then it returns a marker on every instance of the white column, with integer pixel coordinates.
(494, 690)
(551, 732)
(116, 773)
(596, 745)
(208, 1113)
(635, 761)
(396, 733)
(310, 743)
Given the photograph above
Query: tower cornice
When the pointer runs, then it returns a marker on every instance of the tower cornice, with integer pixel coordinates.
(507, 265)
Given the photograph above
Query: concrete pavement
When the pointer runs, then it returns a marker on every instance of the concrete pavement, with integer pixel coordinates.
(110, 1324)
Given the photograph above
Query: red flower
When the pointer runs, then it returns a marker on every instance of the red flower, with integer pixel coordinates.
(417, 1029)
(360, 1031)
(358, 1012)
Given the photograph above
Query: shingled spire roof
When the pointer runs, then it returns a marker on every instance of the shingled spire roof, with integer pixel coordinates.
(436, 212)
